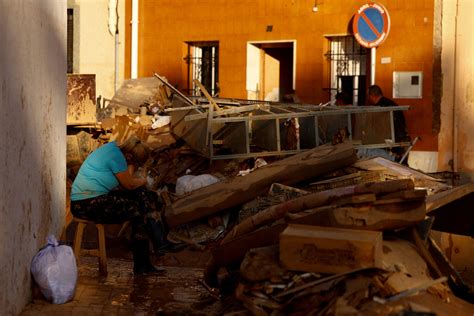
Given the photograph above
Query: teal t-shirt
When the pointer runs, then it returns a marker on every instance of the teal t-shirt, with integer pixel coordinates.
(97, 174)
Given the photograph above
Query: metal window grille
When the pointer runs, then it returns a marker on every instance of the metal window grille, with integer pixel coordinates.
(348, 63)
(203, 60)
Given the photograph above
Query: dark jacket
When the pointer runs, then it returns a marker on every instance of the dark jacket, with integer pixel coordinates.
(401, 131)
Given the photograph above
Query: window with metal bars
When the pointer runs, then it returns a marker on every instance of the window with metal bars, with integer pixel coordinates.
(70, 41)
(348, 67)
(203, 61)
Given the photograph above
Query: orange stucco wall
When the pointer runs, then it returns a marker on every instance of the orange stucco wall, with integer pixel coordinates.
(165, 26)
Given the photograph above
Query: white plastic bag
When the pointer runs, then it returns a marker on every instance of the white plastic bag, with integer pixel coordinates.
(188, 183)
(160, 121)
(54, 269)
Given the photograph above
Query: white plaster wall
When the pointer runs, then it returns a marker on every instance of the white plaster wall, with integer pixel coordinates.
(32, 138)
(457, 105)
(445, 138)
(94, 46)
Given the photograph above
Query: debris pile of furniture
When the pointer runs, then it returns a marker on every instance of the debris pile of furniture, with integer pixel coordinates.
(310, 228)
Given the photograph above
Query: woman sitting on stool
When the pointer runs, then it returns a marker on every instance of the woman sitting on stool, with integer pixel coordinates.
(106, 191)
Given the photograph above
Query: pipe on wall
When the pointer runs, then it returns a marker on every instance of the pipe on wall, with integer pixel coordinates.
(134, 41)
(113, 30)
(373, 60)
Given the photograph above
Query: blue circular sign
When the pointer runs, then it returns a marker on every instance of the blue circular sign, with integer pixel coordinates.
(371, 25)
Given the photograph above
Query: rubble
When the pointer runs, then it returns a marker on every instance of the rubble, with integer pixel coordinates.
(317, 232)
(229, 193)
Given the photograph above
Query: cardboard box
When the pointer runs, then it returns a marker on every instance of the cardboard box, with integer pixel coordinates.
(329, 250)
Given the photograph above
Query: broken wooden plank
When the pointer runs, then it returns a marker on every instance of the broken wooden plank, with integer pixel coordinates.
(400, 171)
(238, 190)
(407, 266)
(166, 83)
(370, 217)
(452, 210)
(349, 179)
(459, 250)
(329, 250)
(440, 199)
(406, 195)
(412, 291)
(459, 285)
(326, 279)
(210, 112)
(314, 200)
(424, 252)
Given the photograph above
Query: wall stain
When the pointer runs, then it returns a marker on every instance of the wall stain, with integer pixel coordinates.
(28, 213)
(22, 148)
(46, 174)
(23, 97)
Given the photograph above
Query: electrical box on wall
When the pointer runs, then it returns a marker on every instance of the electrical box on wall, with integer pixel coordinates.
(407, 84)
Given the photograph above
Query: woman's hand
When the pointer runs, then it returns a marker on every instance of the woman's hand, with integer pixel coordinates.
(128, 181)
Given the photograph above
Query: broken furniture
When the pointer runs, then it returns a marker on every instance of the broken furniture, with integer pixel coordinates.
(99, 252)
(248, 128)
(235, 191)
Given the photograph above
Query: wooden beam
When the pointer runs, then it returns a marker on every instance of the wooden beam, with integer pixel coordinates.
(379, 217)
(166, 83)
(314, 200)
(438, 200)
(238, 190)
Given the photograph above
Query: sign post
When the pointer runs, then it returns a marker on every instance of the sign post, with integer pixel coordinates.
(371, 26)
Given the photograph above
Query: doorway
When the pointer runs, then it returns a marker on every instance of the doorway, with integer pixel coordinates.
(270, 70)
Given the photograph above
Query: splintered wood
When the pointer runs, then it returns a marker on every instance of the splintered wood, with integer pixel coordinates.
(393, 213)
(238, 190)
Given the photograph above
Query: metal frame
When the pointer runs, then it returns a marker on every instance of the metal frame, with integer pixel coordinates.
(243, 126)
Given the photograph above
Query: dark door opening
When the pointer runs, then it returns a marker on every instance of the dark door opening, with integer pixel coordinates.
(284, 56)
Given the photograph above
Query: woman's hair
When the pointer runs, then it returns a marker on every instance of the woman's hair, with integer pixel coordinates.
(136, 150)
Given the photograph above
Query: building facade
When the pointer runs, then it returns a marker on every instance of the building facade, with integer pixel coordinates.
(268, 49)
(96, 42)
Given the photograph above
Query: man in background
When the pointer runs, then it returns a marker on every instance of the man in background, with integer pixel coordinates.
(375, 97)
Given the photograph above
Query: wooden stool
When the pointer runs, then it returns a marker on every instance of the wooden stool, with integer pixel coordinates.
(99, 252)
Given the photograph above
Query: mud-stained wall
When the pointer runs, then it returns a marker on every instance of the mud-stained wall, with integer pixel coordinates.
(32, 139)
(81, 99)
(94, 45)
(456, 145)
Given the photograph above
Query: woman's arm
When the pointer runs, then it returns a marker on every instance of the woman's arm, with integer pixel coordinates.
(128, 181)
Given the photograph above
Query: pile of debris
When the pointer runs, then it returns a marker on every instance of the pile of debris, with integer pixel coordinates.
(318, 232)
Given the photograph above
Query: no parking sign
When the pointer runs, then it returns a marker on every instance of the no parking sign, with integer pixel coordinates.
(371, 25)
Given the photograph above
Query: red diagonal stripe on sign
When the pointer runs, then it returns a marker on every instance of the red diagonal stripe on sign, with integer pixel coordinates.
(369, 23)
